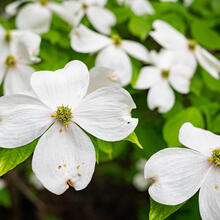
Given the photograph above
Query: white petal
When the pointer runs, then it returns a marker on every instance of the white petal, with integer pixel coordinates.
(208, 61)
(135, 50)
(22, 120)
(167, 36)
(66, 86)
(161, 96)
(141, 7)
(3, 45)
(148, 77)
(105, 113)
(30, 41)
(186, 58)
(116, 59)
(140, 183)
(162, 59)
(68, 11)
(187, 2)
(17, 80)
(64, 157)
(84, 40)
(25, 48)
(177, 173)
(198, 139)
(102, 77)
(180, 77)
(209, 202)
(34, 17)
(166, 59)
(12, 8)
(101, 18)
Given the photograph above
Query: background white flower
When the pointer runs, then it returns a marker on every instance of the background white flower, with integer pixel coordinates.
(171, 39)
(35, 182)
(2, 184)
(113, 52)
(139, 7)
(101, 18)
(36, 16)
(178, 173)
(31, 42)
(170, 69)
(64, 154)
(139, 182)
(14, 64)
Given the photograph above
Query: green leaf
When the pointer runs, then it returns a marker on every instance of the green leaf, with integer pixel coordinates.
(215, 126)
(122, 14)
(10, 158)
(212, 83)
(5, 199)
(52, 218)
(196, 85)
(160, 212)
(134, 139)
(215, 6)
(140, 27)
(173, 124)
(105, 147)
(199, 30)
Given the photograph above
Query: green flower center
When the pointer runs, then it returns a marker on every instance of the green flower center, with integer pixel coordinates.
(165, 73)
(215, 157)
(84, 6)
(63, 114)
(192, 44)
(116, 40)
(10, 61)
(7, 36)
(43, 2)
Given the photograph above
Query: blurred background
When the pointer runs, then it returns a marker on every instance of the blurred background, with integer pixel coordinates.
(116, 190)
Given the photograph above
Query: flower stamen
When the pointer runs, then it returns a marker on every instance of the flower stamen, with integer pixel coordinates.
(116, 40)
(165, 73)
(43, 2)
(10, 61)
(84, 6)
(215, 157)
(63, 115)
(192, 44)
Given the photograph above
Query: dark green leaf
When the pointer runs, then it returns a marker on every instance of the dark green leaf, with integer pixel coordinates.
(173, 124)
(160, 212)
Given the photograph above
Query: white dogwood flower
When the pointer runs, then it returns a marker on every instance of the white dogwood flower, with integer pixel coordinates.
(64, 154)
(101, 77)
(171, 39)
(113, 52)
(35, 16)
(139, 7)
(170, 69)
(2, 184)
(15, 69)
(31, 42)
(178, 173)
(35, 182)
(101, 18)
(139, 182)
